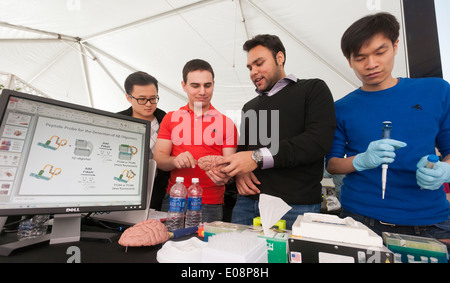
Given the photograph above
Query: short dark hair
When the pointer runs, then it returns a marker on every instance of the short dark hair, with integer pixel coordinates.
(271, 42)
(365, 28)
(139, 78)
(196, 65)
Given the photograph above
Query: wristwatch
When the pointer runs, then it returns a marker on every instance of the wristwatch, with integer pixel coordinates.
(258, 158)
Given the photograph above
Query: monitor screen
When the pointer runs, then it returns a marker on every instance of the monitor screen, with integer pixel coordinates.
(60, 158)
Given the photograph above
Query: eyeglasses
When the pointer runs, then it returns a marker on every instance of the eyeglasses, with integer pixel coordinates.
(143, 101)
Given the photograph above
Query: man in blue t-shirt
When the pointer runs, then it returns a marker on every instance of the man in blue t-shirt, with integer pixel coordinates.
(414, 201)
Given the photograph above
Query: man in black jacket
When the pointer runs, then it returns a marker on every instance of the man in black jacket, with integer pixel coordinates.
(142, 93)
(285, 133)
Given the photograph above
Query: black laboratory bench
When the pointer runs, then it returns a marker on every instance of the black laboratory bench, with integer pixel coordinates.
(84, 251)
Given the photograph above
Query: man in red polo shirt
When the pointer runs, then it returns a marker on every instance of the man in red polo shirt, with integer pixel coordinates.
(194, 131)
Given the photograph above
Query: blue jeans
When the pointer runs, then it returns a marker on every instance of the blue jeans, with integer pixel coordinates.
(246, 209)
(439, 231)
(210, 212)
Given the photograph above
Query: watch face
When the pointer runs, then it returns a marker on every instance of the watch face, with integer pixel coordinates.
(257, 156)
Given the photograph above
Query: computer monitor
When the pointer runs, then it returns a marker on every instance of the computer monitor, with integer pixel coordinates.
(64, 159)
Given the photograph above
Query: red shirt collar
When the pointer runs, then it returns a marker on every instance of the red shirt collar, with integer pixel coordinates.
(211, 112)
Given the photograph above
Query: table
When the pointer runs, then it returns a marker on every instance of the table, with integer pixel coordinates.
(84, 251)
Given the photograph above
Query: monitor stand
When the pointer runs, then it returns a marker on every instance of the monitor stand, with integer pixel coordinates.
(2, 222)
(66, 229)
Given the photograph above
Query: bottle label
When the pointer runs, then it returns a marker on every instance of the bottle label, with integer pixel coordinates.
(177, 204)
(194, 203)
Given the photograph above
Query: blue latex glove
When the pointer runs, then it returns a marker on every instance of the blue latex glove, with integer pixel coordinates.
(379, 152)
(432, 179)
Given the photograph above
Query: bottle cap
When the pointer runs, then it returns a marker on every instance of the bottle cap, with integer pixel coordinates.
(433, 158)
(194, 180)
(180, 179)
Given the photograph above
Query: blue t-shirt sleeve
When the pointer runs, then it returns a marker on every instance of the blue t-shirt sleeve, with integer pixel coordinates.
(443, 138)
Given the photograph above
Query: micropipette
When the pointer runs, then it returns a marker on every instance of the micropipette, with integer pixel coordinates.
(387, 127)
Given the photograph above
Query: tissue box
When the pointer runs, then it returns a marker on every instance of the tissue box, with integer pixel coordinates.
(277, 241)
(327, 238)
(281, 224)
(331, 227)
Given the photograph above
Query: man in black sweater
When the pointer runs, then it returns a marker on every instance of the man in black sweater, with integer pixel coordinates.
(285, 133)
(142, 93)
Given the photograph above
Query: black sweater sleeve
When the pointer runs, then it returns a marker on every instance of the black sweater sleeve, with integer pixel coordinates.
(316, 138)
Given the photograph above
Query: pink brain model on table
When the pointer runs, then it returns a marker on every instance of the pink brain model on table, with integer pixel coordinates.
(147, 233)
(211, 162)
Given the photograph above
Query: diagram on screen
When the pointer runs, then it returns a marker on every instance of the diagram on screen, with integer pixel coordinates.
(48, 144)
(126, 151)
(126, 176)
(105, 155)
(88, 182)
(83, 148)
(51, 172)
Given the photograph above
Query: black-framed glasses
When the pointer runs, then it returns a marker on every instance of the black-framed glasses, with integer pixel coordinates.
(143, 101)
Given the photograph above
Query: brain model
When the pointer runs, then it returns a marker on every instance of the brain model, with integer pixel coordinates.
(211, 162)
(147, 233)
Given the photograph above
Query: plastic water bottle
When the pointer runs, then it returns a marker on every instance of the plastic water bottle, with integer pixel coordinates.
(177, 204)
(194, 204)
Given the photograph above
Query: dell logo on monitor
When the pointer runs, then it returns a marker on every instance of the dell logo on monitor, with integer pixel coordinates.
(75, 209)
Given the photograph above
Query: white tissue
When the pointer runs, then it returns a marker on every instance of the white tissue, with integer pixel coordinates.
(271, 209)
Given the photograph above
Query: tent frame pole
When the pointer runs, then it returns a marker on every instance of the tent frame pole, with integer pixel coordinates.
(239, 3)
(301, 43)
(152, 18)
(49, 65)
(54, 35)
(86, 73)
(107, 72)
(123, 64)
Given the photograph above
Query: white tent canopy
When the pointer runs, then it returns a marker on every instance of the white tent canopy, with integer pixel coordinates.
(81, 51)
